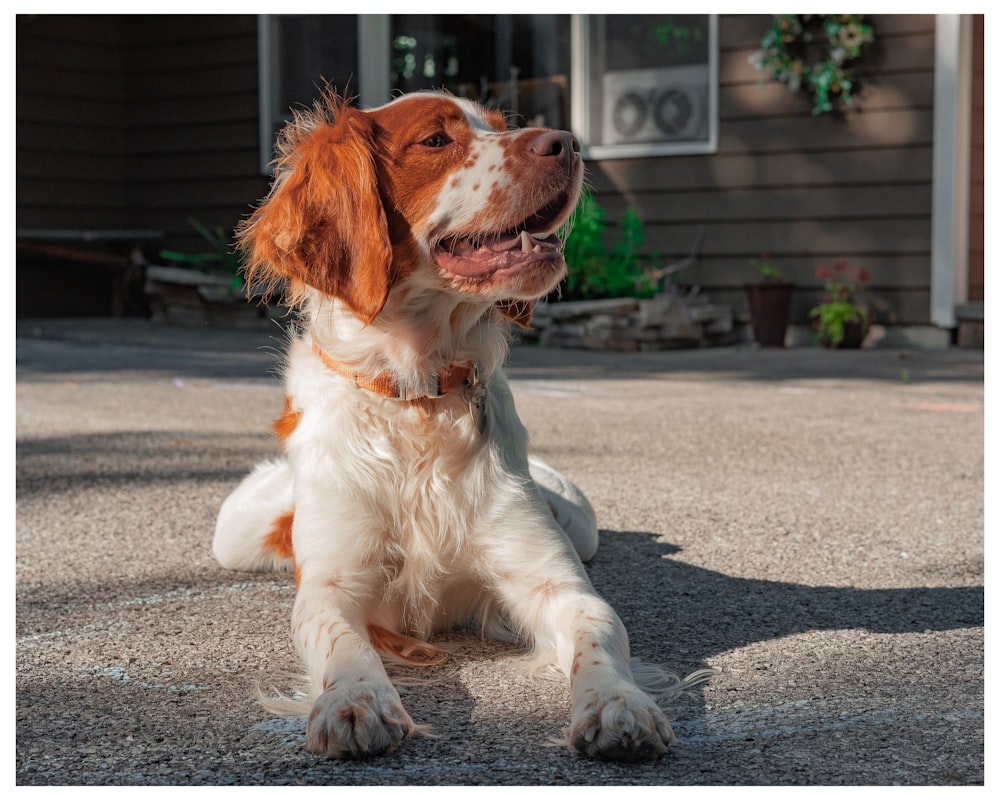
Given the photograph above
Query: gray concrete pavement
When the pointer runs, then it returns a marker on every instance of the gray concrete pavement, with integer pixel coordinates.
(808, 523)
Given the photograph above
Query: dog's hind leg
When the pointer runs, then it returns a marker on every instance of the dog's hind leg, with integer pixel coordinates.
(569, 506)
(253, 530)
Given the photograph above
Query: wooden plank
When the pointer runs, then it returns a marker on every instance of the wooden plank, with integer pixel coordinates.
(65, 168)
(806, 133)
(903, 53)
(177, 112)
(725, 172)
(827, 202)
(180, 167)
(69, 58)
(889, 271)
(238, 193)
(204, 54)
(188, 81)
(977, 269)
(70, 215)
(737, 31)
(51, 29)
(201, 137)
(891, 91)
(209, 28)
(70, 43)
(37, 139)
(58, 84)
(889, 306)
(104, 202)
(826, 238)
(71, 111)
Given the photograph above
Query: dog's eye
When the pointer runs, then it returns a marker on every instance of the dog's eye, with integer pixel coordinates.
(437, 140)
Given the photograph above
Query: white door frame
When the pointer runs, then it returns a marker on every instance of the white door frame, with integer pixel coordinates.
(950, 186)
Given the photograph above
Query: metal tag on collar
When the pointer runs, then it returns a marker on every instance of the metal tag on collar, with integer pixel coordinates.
(475, 396)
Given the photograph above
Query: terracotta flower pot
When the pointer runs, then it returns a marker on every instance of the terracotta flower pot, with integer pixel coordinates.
(770, 311)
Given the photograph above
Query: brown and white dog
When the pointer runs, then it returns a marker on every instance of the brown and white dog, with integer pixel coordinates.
(413, 236)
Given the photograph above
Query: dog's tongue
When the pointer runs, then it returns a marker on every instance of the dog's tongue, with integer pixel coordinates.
(463, 257)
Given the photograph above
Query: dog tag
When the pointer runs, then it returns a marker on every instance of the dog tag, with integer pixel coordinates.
(475, 396)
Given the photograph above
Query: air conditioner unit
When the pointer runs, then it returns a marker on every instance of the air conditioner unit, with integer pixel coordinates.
(655, 105)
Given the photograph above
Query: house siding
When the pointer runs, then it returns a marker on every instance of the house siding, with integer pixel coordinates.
(192, 125)
(71, 162)
(806, 189)
(137, 122)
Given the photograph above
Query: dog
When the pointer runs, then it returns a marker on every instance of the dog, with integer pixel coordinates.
(413, 237)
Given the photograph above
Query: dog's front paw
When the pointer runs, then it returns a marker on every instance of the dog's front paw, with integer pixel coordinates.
(357, 722)
(620, 723)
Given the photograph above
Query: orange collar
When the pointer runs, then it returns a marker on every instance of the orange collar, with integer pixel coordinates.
(385, 383)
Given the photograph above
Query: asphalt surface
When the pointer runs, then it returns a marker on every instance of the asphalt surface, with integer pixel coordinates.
(808, 523)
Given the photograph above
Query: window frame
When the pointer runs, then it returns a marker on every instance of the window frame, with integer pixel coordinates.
(581, 90)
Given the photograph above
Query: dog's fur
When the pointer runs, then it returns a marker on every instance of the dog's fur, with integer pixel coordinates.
(399, 233)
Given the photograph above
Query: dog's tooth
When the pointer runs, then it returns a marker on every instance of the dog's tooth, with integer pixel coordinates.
(536, 249)
(525, 242)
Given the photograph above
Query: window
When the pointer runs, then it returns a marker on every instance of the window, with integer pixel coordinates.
(648, 84)
(517, 62)
(627, 85)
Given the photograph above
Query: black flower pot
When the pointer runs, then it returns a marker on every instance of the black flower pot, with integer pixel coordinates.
(854, 336)
(770, 311)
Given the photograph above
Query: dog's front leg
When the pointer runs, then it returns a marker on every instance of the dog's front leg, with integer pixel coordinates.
(612, 718)
(357, 712)
(548, 594)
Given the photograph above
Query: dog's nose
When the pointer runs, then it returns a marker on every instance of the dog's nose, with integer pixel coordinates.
(558, 144)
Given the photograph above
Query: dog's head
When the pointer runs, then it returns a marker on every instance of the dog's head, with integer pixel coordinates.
(428, 185)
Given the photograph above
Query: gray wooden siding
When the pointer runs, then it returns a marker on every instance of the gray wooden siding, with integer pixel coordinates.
(192, 127)
(137, 122)
(808, 190)
(70, 164)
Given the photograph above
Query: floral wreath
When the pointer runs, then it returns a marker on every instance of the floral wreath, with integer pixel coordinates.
(787, 51)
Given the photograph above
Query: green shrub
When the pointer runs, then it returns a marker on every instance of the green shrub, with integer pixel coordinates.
(597, 271)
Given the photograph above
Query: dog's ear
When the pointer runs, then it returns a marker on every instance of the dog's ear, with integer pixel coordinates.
(323, 224)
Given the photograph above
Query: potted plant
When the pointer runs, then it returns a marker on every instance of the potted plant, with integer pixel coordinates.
(841, 320)
(770, 302)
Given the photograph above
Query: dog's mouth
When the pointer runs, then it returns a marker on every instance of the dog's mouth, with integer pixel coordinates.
(533, 241)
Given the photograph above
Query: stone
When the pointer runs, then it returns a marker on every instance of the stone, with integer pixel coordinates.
(710, 312)
(587, 308)
(661, 310)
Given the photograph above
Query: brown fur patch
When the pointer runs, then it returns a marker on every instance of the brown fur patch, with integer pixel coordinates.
(285, 425)
(279, 539)
(405, 648)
